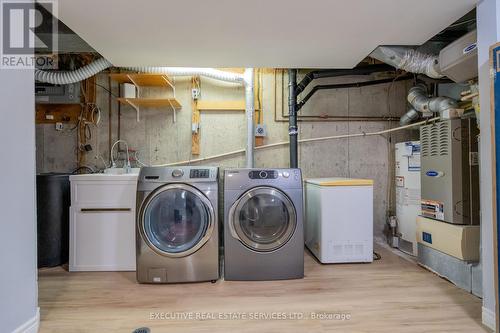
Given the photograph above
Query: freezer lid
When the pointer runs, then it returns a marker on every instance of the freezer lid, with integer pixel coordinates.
(339, 181)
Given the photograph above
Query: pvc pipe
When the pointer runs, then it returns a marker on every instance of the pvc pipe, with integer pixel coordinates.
(249, 111)
(284, 143)
(292, 118)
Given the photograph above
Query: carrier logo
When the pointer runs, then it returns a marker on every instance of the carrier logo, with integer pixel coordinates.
(433, 173)
(470, 48)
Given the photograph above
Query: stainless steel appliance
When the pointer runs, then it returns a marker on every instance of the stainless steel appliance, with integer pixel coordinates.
(450, 171)
(263, 224)
(177, 228)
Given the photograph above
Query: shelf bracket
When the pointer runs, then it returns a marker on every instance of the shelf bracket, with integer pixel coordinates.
(136, 107)
(174, 111)
(168, 83)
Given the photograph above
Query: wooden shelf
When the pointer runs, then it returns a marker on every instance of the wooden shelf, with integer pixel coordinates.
(143, 80)
(238, 105)
(151, 102)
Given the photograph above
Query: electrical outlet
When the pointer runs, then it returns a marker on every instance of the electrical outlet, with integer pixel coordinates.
(195, 128)
(59, 126)
(195, 93)
(260, 130)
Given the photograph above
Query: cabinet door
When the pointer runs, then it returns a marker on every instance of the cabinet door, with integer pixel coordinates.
(102, 239)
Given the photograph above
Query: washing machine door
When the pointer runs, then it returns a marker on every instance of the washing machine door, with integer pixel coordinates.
(176, 220)
(263, 219)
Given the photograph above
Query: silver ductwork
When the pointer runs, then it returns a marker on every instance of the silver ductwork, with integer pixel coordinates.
(418, 98)
(409, 60)
(424, 106)
(409, 117)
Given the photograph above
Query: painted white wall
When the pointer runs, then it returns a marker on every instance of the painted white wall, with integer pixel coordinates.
(292, 33)
(488, 28)
(18, 272)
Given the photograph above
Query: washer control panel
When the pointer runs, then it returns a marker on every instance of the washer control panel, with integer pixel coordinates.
(199, 173)
(263, 174)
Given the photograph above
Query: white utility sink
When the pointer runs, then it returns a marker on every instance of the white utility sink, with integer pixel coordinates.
(121, 171)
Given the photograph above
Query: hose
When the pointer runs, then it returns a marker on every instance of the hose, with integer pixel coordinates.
(113, 163)
(69, 77)
(187, 71)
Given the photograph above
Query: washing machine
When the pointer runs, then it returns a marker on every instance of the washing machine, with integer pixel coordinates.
(263, 224)
(177, 230)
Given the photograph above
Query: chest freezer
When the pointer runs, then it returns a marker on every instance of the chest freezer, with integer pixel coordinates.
(339, 219)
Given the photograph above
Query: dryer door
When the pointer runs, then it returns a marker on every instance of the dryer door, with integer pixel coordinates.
(176, 220)
(263, 219)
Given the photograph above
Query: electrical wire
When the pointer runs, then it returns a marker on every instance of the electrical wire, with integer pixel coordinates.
(376, 256)
(106, 89)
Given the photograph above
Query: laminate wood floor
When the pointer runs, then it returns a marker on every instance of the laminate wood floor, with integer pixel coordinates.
(389, 295)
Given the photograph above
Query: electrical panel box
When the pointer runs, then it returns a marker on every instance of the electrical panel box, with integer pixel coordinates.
(450, 171)
(46, 93)
(260, 130)
(458, 61)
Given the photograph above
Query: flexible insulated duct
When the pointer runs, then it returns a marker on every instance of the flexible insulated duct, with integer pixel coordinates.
(68, 77)
(409, 60)
(188, 71)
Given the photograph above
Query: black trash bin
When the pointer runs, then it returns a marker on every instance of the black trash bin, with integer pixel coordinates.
(53, 201)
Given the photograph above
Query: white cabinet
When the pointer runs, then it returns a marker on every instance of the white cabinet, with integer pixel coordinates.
(102, 222)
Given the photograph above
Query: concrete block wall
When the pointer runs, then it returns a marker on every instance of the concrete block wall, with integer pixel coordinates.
(159, 140)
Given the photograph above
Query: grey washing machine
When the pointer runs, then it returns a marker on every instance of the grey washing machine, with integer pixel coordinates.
(263, 224)
(177, 231)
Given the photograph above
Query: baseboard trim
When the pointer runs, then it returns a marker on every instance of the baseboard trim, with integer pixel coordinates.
(30, 326)
(489, 319)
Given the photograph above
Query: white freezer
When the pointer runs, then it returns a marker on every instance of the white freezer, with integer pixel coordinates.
(339, 219)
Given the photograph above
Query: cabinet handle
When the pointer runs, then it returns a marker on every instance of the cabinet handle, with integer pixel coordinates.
(96, 210)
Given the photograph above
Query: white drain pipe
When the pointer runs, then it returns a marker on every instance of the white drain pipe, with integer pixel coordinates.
(249, 111)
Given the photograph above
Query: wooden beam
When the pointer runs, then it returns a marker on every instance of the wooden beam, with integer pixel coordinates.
(237, 105)
(258, 116)
(195, 119)
(57, 113)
